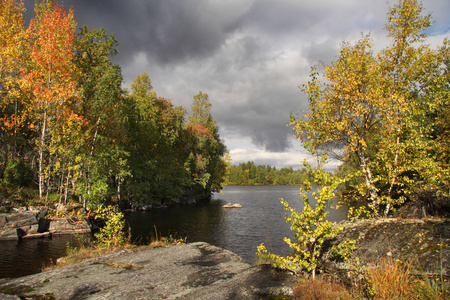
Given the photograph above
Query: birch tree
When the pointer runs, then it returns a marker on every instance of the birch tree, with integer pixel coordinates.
(48, 77)
(369, 105)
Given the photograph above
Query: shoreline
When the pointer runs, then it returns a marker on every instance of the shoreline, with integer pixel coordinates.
(29, 223)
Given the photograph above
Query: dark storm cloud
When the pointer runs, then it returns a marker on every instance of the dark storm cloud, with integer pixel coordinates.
(169, 30)
(273, 139)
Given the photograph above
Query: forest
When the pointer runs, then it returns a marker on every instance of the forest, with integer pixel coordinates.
(69, 131)
(250, 174)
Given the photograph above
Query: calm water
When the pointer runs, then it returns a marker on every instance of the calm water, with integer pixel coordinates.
(241, 230)
(260, 220)
(25, 257)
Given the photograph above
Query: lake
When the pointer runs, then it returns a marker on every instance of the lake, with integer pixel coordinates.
(241, 230)
(25, 257)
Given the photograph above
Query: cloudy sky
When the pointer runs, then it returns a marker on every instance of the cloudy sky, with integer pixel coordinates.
(249, 56)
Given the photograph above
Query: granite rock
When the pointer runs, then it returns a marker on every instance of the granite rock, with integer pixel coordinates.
(191, 271)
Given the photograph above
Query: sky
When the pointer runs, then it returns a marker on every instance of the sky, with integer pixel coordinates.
(249, 56)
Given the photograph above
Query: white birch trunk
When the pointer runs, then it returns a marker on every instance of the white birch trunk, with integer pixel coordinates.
(368, 179)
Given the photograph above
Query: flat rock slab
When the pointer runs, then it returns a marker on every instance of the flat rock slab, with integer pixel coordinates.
(191, 271)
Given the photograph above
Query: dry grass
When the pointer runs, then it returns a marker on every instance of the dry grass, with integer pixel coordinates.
(320, 288)
(89, 251)
(127, 266)
(391, 280)
(79, 255)
(388, 280)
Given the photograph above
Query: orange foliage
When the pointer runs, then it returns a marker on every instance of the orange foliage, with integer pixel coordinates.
(200, 130)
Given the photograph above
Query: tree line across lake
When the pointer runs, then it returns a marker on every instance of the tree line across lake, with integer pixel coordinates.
(250, 174)
(68, 130)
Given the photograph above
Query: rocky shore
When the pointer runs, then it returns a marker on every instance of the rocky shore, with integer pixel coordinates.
(31, 222)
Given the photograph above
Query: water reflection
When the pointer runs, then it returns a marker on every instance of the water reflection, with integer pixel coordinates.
(241, 230)
(25, 257)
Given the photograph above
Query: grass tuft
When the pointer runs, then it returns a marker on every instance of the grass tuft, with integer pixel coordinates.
(391, 280)
(320, 288)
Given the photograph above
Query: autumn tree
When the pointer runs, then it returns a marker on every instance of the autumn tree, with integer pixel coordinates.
(64, 114)
(439, 118)
(48, 78)
(11, 48)
(367, 107)
(12, 118)
(207, 163)
(414, 75)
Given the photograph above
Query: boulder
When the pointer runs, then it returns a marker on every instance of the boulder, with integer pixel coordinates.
(3, 220)
(424, 242)
(17, 225)
(68, 226)
(21, 219)
(191, 271)
(31, 229)
(8, 234)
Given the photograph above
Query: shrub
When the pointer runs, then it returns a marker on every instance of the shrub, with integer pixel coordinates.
(112, 234)
(16, 173)
(311, 229)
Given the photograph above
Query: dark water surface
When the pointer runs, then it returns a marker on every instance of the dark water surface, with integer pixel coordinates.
(241, 230)
(29, 256)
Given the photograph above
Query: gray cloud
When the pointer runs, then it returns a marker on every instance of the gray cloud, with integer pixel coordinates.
(321, 51)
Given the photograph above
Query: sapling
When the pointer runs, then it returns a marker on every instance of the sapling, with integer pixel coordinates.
(111, 235)
(310, 228)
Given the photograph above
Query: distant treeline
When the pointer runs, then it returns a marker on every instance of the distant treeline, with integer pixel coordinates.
(250, 174)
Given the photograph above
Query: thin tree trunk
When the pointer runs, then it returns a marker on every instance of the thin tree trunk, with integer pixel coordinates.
(88, 175)
(41, 156)
(49, 179)
(118, 190)
(374, 198)
(314, 270)
(67, 185)
(61, 184)
(394, 178)
(15, 127)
